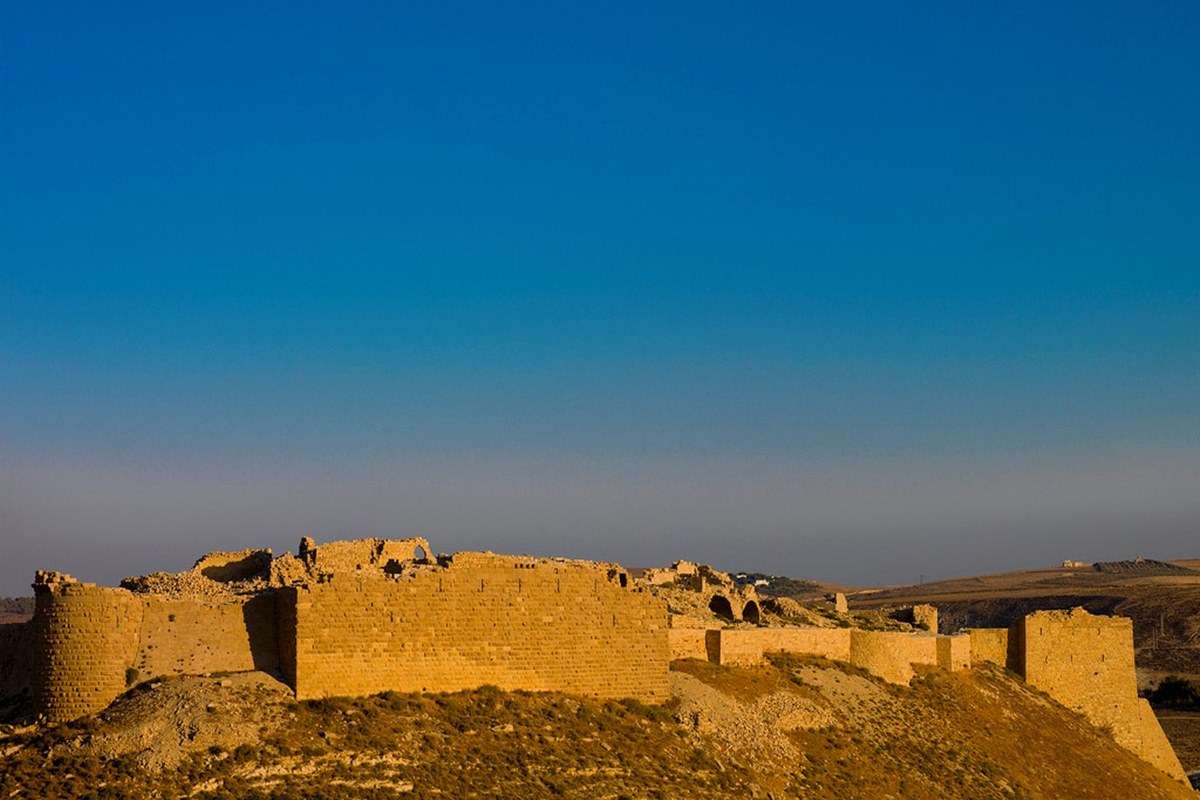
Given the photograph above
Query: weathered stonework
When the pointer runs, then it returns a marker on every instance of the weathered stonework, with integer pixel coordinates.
(891, 654)
(954, 652)
(373, 615)
(1086, 663)
(922, 616)
(840, 605)
(747, 646)
(989, 644)
(699, 596)
(517, 623)
(347, 618)
(85, 637)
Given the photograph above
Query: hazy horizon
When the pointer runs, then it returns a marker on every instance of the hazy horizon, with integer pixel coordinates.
(854, 294)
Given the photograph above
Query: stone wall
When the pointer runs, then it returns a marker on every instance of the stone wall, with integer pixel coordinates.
(687, 643)
(891, 654)
(1086, 663)
(888, 654)
(989, 644)
(1151, 742)
(741, 646)
(356, 554)
(194, 637)
(925, 616)
(517, 623)
(748, 645)
(1083, 661)
(85, 638)
(954, 652)
(922, 615)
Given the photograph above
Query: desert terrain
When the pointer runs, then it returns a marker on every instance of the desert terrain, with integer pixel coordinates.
(795, 728)
(204, 698)
(1162, 599)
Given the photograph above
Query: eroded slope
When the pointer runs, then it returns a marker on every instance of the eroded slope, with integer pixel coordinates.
(801, 728)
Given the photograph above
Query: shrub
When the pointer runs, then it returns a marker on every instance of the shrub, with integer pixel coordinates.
(1175, 692)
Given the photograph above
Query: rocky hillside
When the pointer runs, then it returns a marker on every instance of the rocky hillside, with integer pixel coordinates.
(801, 728)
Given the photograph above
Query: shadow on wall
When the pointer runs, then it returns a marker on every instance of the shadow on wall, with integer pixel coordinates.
(254, 565)
(720, 606)
(258, 615)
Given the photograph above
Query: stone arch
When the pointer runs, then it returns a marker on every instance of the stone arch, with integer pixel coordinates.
(751, 612)
(419, 554)
(720, 605)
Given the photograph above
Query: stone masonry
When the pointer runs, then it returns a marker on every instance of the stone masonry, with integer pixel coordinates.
(363, 616)
(349, 618)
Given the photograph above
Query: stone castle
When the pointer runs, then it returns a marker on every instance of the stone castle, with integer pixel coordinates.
(362, 616)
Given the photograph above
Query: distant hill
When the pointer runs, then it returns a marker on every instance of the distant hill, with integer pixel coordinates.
(15, 609)
(1142, 568)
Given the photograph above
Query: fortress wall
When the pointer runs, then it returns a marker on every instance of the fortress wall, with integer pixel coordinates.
(516, 623)
(195, 637)
(1086, 663)
(925, 616)
(891, 654)
(954, 652)
(350, 555)
(888, 654)
(747, 645)
(1152, 743)
(16, 659)
(687, 643)
(989, 644)
(1083, 661)
(922, 615)
(831, 643)
(85, 638)
(736, 646)
(285, 632)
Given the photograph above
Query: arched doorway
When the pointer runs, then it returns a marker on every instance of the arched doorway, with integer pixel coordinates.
(750, 612)
(720, 606)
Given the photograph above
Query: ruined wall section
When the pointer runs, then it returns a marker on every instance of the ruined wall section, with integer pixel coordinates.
(85, 638)
(922, 615)
(193, 637)
(517, 623)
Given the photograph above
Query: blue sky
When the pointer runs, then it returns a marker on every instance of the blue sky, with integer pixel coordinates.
(857, 294)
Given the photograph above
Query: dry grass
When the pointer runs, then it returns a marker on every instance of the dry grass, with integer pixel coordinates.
(974, 735)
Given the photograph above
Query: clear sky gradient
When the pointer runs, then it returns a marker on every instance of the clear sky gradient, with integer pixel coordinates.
(857, 292)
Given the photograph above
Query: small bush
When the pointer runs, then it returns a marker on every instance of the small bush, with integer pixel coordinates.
(1175, 692)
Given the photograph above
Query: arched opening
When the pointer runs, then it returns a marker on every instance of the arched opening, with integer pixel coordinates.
(720, 606)
(750, 612)
(419, 553)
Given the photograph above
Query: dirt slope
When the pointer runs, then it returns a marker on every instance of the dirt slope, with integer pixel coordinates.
(800, 729)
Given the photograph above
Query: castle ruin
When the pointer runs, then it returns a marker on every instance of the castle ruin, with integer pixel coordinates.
(363, 616)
